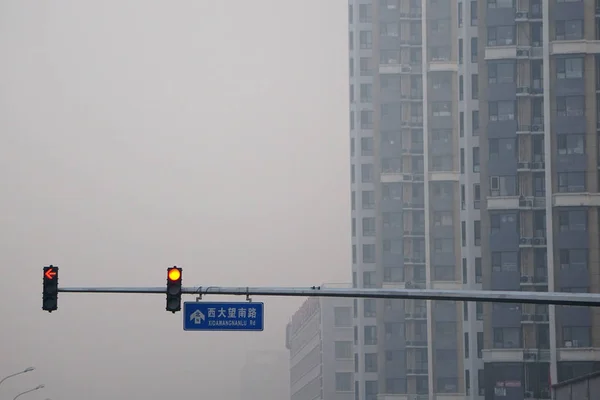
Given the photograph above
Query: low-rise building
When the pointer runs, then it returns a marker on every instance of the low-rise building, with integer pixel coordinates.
(320, 339)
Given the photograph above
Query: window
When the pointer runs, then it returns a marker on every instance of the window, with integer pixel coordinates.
(569, 29)
(475, 122)
(504, 261)
(350, 14)
(393, 274)
(502, 110)
(463, 232)
(447, 385)
(571, 182)
(569, 68)
(368, 226)
(460, 15)
(389, 29)
(460, 49)
(570, 106)
(366, 173)
(370, 362)
(477, 232)
(501, 72)
(370, 308)
(461, 85)
(500, 3)
(572, 220)
(395, 385)
(353, 227)
(370, 335)
(442, 218)
(368, 199)
(343, 381)
(371, 389)
(573, 143)
(479, 311)
(481, 382)
(343, 350)
(441, 26)
(573, 258)
(444, 328)
(365, 39)
(503, 186)
(442, 109)
(479, 344)
(501, 35)
(466, 343)
(351, 40)
(507, 338)
(500, 148)
(443, 245)
(364, 13)
(474, 50)
(366, 119)
(476, 196)
(366, 92)
(342, 316)
(473, 13)
(365, 66)
(578, 336)
(389, 57)
(476, 159)
(444, 273)
(478, 270)
(369, 276)
(475, 86)
(392, 220)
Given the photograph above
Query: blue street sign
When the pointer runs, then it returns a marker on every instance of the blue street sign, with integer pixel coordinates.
(205, 316)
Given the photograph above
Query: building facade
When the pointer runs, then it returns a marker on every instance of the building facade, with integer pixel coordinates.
(319, 339)
(538, 89)
(415, 195)
(264, 376)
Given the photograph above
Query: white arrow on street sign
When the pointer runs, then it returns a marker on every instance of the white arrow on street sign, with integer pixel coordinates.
(198, 317)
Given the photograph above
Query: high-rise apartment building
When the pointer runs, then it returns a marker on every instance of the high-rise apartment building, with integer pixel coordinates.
(415, 169)
(319, 338)
(538, 87)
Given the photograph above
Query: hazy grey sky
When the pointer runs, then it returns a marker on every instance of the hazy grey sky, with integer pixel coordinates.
(141, 134)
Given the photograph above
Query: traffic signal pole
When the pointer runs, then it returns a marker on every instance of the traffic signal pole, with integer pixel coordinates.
(554, 298)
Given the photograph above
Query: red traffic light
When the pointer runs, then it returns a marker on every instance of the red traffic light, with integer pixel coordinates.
(174, 274)
(50, 273)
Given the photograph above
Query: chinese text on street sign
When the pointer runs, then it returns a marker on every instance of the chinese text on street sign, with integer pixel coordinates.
(223, 316)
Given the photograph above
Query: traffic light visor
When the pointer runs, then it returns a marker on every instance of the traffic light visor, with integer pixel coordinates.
(174, 274)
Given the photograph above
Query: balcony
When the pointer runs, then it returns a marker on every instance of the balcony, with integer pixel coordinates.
(576, 199)
(575, 47)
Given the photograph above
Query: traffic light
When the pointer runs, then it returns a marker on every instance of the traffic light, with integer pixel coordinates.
(174, 289)
(50, 295)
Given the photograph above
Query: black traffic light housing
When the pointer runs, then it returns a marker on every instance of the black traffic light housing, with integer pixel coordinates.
(174, 292)
(50, 294)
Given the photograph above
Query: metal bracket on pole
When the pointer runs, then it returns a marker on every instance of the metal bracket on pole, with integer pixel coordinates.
(248, 298)
(199, 294)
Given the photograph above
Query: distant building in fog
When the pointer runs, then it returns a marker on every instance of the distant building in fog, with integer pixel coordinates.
(320, 339)
(265, 376)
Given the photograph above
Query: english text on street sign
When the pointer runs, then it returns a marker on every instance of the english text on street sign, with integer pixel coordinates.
(223, 316)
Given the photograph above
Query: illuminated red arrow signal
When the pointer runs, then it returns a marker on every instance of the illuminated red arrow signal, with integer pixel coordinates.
(50, 273)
